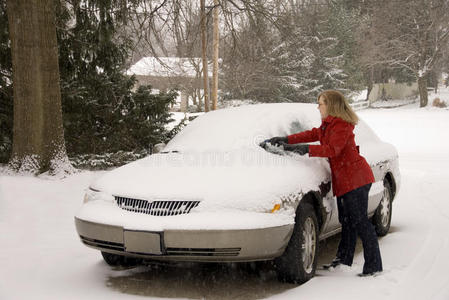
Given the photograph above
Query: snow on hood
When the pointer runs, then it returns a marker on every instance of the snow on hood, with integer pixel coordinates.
(249, 180)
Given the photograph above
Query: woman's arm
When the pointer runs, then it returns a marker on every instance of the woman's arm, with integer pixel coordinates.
(304, 137)
(338, 138)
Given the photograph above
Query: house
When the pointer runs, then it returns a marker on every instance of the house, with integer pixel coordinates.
(392, 90)
(164, 73)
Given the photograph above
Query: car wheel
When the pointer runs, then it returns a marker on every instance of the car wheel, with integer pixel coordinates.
(382, 216)
(119, 260)
(298, 263)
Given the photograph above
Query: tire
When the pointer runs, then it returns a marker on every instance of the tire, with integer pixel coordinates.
(115, 260)
(298, 263)
(382, 216)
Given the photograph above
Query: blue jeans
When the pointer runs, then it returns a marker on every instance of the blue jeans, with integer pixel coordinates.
(352, 214)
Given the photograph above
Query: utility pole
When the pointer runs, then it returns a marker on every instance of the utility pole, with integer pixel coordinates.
(215, 59)
(204, 56)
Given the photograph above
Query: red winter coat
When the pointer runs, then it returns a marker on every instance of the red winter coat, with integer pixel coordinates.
(349, 169)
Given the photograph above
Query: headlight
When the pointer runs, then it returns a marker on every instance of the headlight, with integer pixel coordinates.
(91, 195)
(95, 195)
(275, 208)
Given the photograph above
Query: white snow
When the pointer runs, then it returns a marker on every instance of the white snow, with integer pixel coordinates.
(179, 116)
(41, 256)
(220, 164)
(244, 126)
(167, 67)
(359, 96)
(226, 170)
(392, 103)
(442, 94)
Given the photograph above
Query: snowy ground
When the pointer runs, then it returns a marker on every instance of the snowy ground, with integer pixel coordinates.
(41, 256)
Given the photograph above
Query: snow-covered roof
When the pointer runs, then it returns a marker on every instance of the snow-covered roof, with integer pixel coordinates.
(167, 67)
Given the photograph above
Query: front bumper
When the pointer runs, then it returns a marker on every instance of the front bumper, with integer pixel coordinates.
(246, 240)
(187, 245)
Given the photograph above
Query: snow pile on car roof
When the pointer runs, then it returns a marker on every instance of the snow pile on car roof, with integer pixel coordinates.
(244, 126)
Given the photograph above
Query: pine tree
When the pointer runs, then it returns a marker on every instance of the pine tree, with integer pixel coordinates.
(304, 50)
(343, 23)
(292, 61)
(6, 102)
(101, 111)
(308, 58)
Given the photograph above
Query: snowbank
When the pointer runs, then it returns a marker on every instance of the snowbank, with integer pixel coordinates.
(42, 257)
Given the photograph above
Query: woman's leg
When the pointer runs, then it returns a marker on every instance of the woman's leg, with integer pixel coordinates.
(347, 235)
(357, 204)
(348, 240)
(341, 252)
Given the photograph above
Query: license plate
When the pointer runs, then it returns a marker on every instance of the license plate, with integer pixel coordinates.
(142, 242)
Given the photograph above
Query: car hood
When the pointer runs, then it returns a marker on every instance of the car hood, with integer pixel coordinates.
(249, 179)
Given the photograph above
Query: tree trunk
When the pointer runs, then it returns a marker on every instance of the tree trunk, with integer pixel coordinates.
(38, 139)
(195, 102)
(198, 95)
(204, 56)
(435, 81)
(215, 65)
(370, 82)
(422, 87)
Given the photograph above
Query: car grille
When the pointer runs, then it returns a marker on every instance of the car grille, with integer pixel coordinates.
(156, 208)
(220, 252)
(203, 251)
(102, 244)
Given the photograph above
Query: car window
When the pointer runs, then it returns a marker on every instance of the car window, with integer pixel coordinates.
(364, 134)
(296, 126)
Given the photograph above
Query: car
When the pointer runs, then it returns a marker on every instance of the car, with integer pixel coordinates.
(214, 195)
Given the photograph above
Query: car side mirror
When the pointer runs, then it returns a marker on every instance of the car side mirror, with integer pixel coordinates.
(158, 147)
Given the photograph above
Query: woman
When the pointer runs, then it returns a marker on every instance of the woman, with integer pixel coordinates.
(351, 176)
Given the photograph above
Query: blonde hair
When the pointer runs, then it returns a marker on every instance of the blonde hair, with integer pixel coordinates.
(338, 106)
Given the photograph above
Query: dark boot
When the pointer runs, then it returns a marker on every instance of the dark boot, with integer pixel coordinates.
(335, 262)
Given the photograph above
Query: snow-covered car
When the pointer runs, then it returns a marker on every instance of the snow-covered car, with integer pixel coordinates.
(214, 195)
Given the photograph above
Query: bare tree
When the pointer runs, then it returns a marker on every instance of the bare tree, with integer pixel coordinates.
(204, 56)
(250, 33)
(173, 27)
(38, 142)
(216, 42)
(411, 35)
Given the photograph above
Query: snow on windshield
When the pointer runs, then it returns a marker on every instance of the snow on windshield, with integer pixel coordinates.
(243, 127)
(246, 126)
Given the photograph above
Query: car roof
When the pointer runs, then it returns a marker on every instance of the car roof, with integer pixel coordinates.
(244, 126)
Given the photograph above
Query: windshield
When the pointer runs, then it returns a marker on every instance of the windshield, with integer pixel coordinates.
(243, 127)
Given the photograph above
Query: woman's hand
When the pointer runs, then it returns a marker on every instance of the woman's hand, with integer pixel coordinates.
(301, 149)
(275, 141)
